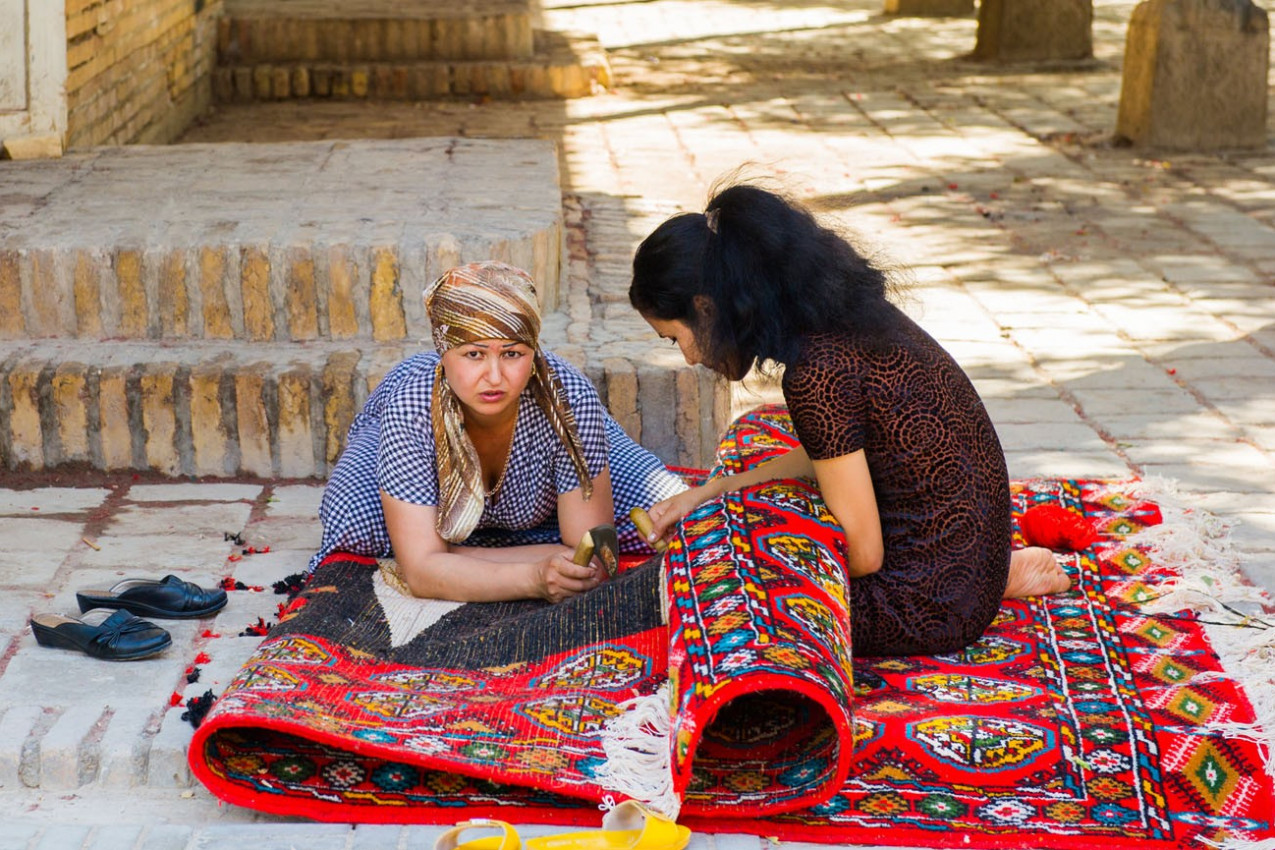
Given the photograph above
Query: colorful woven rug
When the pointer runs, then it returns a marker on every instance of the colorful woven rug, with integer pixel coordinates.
(720, 681)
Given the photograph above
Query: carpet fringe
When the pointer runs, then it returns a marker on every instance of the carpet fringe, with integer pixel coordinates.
(638, 760)
(1196, 544)
(1238, 844)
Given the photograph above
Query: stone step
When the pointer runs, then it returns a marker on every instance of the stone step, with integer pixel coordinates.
(283, 242)
(224, 310)
(564, 65)
(274, 410)
(255, 32)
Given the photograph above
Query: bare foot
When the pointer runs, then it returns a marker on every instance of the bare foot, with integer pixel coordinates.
(1034, 572)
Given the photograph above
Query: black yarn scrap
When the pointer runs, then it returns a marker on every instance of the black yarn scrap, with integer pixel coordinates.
(197, 708)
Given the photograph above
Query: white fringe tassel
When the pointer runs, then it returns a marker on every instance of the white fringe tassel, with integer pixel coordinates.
(637, 743)
(1239, 844)
(1196, 544)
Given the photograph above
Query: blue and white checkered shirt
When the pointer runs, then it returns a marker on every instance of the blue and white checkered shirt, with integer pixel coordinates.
(391, 447)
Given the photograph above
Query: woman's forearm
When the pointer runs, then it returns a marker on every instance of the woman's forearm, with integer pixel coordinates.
(463, 575)
(794, 463)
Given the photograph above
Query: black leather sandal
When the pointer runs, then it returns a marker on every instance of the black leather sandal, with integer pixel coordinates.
(169, 598)
(119, 637)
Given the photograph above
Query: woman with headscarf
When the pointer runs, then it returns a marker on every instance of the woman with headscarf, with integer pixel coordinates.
(480, 465)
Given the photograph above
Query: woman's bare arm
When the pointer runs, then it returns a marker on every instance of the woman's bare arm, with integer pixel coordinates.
(846, 486)
(844, 482)
(794, 463)
(435, 569)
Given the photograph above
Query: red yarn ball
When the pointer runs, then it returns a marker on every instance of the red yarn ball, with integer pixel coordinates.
(1057, 528)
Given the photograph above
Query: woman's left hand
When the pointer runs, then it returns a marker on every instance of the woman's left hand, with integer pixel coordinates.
(667, 513)
(559, 578)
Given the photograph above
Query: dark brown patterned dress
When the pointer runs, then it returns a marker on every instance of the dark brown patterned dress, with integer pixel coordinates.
(939, 474)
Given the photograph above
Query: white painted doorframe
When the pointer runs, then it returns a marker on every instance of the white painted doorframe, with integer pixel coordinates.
(33, 69)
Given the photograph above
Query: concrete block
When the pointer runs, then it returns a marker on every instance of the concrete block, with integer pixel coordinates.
(33, 147)
(252, 420)
(622, 395)
(62, 836)
(70, 398)
(360, 81)
(254, 282)
(689, 416)
(1034, 30)
(295, 431)
(223, 84)
(321, 82)
(200, 492)
(11, 324)
(114, 427)
(262, 79)
(243, 84)
(47, 500)
(657, 402)
(86, 284)
(428, 81)
(167, 767)
(125, 748)
(282, 836)
(18, 746)
(68, 751)
(50, 303)
(210, 441)
(339, 402)
(167, 836)
(376, 836)
(26, 438)
(18, 836)
(126, 307)
(280, 83)
(159, 417)
(116, 837)
(382, 82)
(299, 82)
(297, 500)
(1195, 75)
(343, 292)
(386, 299)
(300, 296)
(173, 300)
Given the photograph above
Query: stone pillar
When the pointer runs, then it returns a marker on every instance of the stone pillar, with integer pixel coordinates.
(1195, 75)
(930, 8)
(1034, 30)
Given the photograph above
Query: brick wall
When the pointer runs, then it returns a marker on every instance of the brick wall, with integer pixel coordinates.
(138, 71)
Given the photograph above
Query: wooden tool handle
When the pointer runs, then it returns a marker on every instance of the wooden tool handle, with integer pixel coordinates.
(642, 521)
(584, 551)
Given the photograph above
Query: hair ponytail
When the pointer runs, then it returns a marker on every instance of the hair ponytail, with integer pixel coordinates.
(773, 274)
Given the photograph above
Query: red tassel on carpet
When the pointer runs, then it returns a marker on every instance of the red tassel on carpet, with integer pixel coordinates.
(1057, 528)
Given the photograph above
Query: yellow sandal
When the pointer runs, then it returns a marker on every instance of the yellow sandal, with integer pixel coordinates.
(507, 839)
(628, 826)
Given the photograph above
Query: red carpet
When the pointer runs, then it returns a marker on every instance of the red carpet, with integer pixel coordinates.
(724, 683)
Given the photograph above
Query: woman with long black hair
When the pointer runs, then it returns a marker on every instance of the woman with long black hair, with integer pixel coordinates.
(890, 427)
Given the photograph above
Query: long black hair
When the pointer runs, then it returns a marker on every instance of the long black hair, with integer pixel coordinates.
(772, 274)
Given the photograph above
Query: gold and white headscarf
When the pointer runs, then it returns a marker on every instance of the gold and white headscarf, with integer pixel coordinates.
(488, 300)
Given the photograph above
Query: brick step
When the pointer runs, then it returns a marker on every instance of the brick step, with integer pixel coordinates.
(272, 410)
(255, 32)
(282, 242)
(564, 65)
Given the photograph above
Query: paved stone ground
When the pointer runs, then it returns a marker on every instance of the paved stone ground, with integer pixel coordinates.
(1114, 308)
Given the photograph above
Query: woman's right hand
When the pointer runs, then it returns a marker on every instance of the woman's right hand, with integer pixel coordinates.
(559, 578)
(666, 514)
